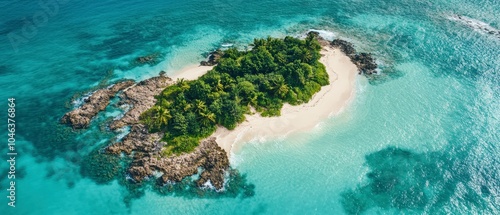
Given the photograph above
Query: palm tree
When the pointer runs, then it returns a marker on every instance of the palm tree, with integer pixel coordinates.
(206, 118)
(187, 106)
(161, 116)
(307, 56)
(278, 87)
(164, 102)
(282, 90)
(210, 116)
(219, 86)
(253, 101)
(183, 84)
(200, 106)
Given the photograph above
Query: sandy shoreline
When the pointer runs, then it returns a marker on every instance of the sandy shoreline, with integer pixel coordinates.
(329, 100)
(192, 72)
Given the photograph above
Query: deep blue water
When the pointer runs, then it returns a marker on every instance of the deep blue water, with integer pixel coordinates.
(422, 139)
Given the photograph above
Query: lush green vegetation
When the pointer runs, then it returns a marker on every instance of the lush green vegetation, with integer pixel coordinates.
(275, 71)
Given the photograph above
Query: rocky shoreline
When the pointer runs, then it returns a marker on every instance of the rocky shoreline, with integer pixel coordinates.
(145, 148)
(140, 98)
(147, 160)
(364, 61)
(98, 101)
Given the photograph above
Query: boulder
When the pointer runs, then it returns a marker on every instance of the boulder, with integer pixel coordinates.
(213, 58)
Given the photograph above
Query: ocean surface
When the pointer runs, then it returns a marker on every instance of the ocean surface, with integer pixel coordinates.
(422, 138)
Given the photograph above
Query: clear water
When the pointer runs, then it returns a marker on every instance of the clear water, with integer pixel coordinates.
(424, 140)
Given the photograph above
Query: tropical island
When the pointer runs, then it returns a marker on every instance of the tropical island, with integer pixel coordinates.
(274, 72)
(279, 86)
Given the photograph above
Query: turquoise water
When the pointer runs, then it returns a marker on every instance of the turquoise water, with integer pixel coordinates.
(422, 139)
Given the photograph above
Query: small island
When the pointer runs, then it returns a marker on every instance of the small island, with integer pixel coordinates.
(191, 121)
(275, 72)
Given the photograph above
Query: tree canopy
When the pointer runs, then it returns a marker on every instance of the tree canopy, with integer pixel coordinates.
(274, 72)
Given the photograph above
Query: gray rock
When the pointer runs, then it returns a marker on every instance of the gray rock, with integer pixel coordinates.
(98, 101)
(140, 97)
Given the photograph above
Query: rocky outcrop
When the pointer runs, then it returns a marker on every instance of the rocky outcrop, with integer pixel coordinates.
(364, 61)
(138, 140)
(147, 160)
(145, 148)
(344, 46)
(213, 58)
(140, 97)
(98, 101)
(214, 162)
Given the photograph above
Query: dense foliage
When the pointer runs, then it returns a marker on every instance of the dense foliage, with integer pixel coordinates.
(275, 71)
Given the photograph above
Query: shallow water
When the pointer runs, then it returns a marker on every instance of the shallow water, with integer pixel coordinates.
(420, 139)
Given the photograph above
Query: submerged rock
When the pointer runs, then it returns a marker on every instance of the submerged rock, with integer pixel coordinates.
(410, 181)
(100, 167)
(476, 25)
(98, 101)
(148, 59)
(144, 59)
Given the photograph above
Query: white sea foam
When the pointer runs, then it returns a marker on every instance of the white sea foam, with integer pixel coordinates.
(208, 185)
(235, 159)
(157, 174)
(122, 133)
(227, 45)
(327, 35)
(129, 178)
(79, 101)
(124, 109)
(475, 24)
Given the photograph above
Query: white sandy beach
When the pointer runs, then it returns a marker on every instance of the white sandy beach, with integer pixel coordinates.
(330, 100)
(191, 72)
